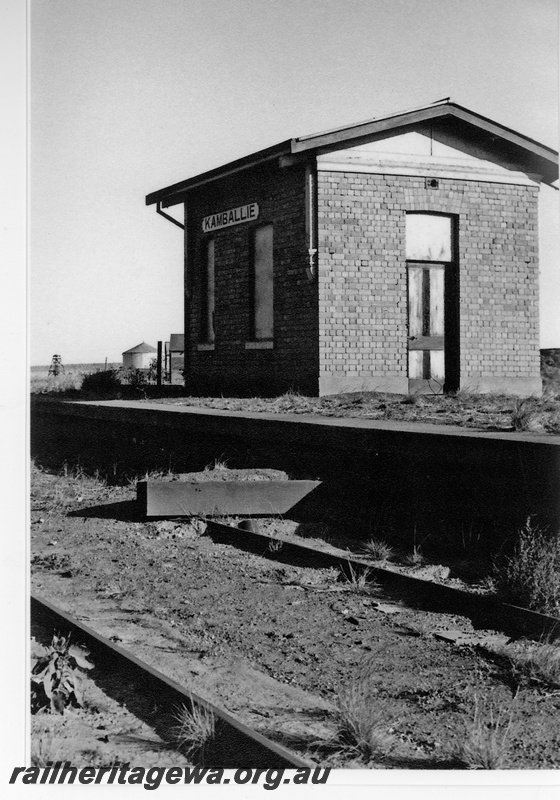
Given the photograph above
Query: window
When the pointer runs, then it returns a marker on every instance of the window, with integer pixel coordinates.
(208, 294)
(263, 310)
(428, 237)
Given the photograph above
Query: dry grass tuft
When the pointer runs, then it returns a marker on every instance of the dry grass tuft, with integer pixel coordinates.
(275, 545)
(537, 663)
(415, 558)
(536, 414)
(360, 727)
(194, 731)
(423, 628)
(358, 581)
(378, 549)
(46, 749)
(486, 739)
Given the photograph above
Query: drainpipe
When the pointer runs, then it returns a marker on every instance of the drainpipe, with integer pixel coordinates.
(187, 300)
(166, 216)
(311, 220)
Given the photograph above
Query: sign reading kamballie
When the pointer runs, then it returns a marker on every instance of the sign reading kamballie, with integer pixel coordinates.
(232, 217)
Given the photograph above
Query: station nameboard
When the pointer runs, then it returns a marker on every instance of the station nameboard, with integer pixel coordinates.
(232, 217)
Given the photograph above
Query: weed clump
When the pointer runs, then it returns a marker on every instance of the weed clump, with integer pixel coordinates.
(530, 575)
(103, 382)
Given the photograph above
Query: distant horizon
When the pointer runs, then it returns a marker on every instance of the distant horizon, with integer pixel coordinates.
(128, 96)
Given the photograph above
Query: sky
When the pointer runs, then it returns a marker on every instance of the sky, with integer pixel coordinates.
(128, 96)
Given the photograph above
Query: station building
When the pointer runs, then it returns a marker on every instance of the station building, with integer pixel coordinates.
(397, 255)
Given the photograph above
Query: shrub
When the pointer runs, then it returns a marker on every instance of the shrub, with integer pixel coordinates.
(136, 378)
(530, 575)
(102, 382)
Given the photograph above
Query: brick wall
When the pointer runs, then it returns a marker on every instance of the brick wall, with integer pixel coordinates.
(230, 368)
(363, 290)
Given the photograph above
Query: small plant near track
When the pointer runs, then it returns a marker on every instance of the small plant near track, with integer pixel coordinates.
(378, 549)
(530, 575)
(360, 727)
(486, 738)
(416, 557)
(423, 628)
(358, 581)
(275, 545)
(57, 675)
(195, 730)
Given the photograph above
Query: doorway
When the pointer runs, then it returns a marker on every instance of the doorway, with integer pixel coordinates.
(432, 304)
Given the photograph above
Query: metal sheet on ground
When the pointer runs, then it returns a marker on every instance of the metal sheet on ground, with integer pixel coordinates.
(220, 498)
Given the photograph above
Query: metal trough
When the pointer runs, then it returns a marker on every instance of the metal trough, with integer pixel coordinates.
(159, 499)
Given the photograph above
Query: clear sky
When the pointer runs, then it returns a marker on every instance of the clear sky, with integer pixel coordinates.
(128, 96)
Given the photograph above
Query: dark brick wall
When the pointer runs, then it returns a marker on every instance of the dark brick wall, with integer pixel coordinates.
(362, 280)
(230, 368)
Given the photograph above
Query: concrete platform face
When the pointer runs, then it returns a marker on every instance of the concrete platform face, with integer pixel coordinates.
(386, 475)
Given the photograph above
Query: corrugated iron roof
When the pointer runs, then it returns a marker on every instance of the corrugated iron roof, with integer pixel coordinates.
(141, 348)
(537, 157)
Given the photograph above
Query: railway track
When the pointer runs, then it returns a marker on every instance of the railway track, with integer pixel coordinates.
(484, 612)
(235, 744)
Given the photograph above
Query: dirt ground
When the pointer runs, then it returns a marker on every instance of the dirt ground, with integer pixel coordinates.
(294, 652)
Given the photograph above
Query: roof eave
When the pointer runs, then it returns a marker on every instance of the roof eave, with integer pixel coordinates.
(540, 159)
(171, 195)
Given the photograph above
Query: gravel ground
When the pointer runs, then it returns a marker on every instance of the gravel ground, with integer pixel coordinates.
(285, 648)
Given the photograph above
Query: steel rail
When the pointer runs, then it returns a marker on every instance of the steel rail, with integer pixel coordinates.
(237, 744)
(485, 612)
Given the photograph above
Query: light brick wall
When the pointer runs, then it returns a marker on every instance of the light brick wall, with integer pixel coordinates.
(363, 290)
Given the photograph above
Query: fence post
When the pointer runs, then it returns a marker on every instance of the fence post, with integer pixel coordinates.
(158, 375)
